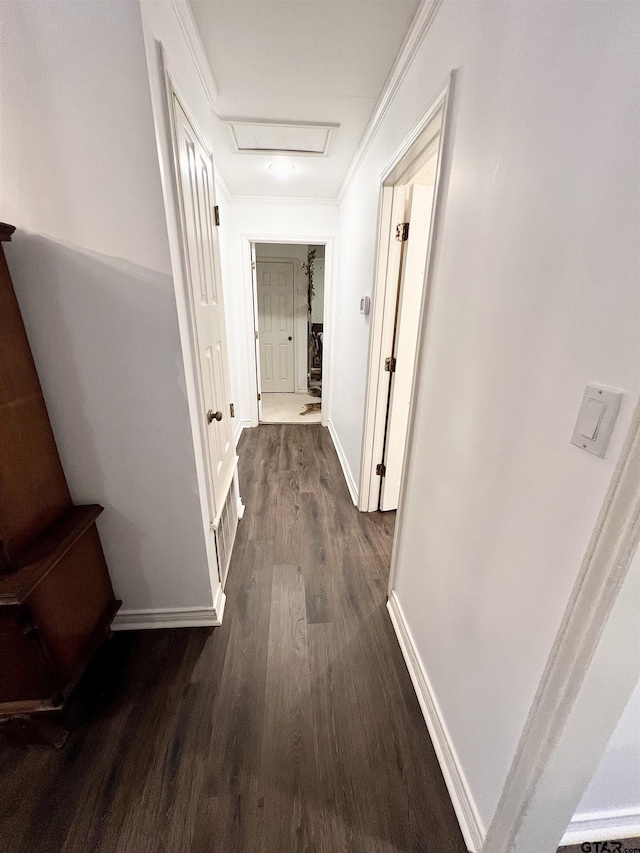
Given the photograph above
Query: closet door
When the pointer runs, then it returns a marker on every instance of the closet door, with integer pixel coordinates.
(197, 203)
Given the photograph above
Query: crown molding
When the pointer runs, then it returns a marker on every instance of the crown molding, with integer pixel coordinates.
(418, 30)
(192, 36)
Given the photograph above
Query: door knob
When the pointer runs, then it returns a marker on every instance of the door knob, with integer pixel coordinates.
(290, 338)
(213, 416)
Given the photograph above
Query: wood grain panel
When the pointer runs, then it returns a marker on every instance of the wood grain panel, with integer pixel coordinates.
(26, 675)
(33, 490)
(71, 601)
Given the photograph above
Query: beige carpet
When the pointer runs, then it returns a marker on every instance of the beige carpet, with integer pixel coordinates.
(286, 408)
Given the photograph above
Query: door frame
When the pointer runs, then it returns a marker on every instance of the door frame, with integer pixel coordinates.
(168, 83)
(375, 406)
(248, 241)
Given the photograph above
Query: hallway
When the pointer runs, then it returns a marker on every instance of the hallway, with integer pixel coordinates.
(293, 727)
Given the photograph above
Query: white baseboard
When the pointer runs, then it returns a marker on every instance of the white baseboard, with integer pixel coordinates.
(467, 813)
(242, 424)
(351, 483)
(172, 617)
(218, 604)
(603, 826)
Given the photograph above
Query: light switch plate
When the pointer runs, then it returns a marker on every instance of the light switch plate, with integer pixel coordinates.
(596, 419)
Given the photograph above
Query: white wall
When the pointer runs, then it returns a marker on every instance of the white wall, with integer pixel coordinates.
(616, 783)
(90, 262)
(536, 272)
(279, 221)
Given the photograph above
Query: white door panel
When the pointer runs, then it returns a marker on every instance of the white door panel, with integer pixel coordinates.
(406, 340)
(276, 326)
(196, 193)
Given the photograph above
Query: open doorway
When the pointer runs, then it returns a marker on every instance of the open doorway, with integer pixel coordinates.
(289, 284)
(409, 194)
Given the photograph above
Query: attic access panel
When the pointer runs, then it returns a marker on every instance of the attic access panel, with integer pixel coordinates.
(255, 136)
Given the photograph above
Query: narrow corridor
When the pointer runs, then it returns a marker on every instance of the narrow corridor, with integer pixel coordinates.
(293, 727)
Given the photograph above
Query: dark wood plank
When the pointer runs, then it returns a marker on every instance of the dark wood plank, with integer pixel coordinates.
(292, 728)
(37, 561)
(34, 491)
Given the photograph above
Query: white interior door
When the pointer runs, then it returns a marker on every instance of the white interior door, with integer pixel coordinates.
(410, 294)
(196, 192)
(276, 326)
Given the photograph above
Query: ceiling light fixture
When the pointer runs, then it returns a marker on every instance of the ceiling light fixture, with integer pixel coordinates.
(282, 169)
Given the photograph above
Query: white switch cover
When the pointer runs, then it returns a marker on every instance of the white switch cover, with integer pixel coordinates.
(591, 417)
(596, 418)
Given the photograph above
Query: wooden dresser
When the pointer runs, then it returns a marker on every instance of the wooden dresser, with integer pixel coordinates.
(56, 597)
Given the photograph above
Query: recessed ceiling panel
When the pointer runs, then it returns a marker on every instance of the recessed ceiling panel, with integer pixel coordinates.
(256, 136)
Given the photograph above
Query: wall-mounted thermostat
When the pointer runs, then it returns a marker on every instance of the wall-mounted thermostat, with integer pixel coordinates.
(365, 305)
(596, 418)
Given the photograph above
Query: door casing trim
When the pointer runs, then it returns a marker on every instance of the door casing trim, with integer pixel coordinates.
(251, 318)
(165, 143)
(369, 481)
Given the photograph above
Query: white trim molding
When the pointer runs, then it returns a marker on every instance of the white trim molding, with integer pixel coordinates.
(387, 254)
(241, 508)
(170, 617)
(348, 476)
(194, 42)
(414, 38)
(465, 808)
(603, 826)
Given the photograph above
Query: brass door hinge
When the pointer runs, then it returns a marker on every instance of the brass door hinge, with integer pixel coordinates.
(256, 334)
(216, 214)
(253, 265)
(232, 410)
(390, 364)
(258, 396)
(381, 469)
(402, 232)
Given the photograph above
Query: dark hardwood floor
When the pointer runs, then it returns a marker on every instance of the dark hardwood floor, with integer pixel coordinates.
(293, 727)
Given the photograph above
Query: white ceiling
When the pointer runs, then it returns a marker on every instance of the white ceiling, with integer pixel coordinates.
(299, 60)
